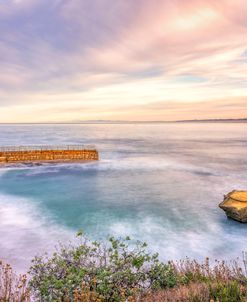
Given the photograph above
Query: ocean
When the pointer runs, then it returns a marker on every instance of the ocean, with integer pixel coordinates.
(158, 183)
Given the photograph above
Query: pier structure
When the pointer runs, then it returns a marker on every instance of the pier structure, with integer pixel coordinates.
(36, 153)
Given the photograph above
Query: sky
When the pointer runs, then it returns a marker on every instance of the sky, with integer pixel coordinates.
(138, 60)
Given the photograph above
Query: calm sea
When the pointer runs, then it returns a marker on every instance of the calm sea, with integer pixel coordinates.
(159, 183)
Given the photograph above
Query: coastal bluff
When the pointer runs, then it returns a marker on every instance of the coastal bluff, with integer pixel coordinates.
(23, 154)
(235, 205)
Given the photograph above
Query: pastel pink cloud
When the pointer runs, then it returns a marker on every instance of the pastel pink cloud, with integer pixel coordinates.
(98, 52)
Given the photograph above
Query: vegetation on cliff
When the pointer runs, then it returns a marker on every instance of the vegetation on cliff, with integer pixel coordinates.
(122, 271)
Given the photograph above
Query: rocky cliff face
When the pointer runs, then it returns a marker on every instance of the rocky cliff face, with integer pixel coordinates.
(235, 205)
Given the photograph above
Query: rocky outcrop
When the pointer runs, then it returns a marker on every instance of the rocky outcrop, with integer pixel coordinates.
(235, 205)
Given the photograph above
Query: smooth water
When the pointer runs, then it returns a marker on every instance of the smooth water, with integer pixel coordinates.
(160, 183)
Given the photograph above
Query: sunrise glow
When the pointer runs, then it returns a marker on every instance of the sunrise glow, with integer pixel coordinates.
(73, 61)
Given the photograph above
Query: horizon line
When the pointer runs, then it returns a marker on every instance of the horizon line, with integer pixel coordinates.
(127, 122)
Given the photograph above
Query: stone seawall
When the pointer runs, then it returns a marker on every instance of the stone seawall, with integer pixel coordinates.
(47, 155)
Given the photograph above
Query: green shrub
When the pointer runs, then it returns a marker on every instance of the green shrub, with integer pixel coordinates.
(121, 271)
(162, 276)
(227, 292)
(111, 271)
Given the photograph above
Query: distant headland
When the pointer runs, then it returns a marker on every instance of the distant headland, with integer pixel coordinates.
(241, 120)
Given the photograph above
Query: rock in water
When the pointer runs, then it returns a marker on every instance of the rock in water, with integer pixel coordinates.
(235, 205)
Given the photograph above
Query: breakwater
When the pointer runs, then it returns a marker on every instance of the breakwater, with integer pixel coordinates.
(22, 154)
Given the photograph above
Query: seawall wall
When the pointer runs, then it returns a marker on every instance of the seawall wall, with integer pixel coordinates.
(43, 155)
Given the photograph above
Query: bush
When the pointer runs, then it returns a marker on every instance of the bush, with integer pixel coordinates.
(228, 292)
(112, 273)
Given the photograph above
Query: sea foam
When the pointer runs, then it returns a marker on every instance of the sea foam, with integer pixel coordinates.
(25, 231)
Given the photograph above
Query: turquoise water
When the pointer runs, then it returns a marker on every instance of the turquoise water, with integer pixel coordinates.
(160, 183)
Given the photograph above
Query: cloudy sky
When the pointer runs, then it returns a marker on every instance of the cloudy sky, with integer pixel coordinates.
(75, 60)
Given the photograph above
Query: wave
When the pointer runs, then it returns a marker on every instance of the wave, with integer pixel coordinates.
(176, 244)
(25, 231)
(120, 164)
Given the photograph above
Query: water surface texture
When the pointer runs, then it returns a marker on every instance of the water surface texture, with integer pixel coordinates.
(159, 183)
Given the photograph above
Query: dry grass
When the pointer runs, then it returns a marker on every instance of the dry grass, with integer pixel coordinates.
(12, 288)
(88, 294)
(194, 292)
(204, 282)
(183, 293)
(219, 270)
